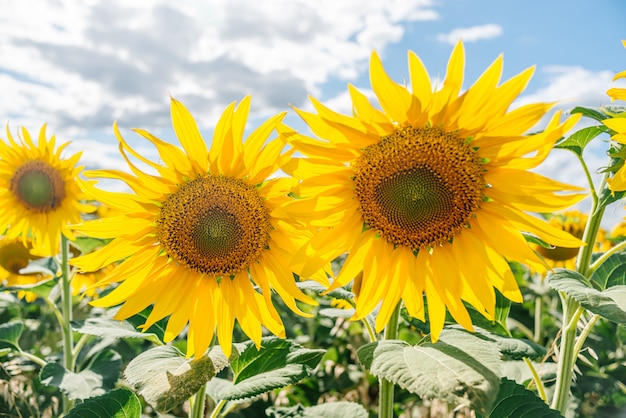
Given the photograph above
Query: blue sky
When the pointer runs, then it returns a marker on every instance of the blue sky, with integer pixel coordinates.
(78, 65)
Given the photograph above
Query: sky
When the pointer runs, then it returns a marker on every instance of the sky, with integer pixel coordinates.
(80, 65)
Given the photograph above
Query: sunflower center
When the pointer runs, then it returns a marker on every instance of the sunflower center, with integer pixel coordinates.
(419, 187)
(38, 186)
(14, 256)
(214, 225)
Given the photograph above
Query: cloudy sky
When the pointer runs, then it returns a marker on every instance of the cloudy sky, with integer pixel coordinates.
(79, 65)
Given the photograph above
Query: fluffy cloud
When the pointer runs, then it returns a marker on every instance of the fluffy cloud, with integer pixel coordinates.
(80, 64)
(471, 34)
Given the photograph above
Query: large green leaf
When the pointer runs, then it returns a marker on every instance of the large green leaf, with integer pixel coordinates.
(460, 368)
(516, 401)
(612, 272)
(166, 379)
(99, 376)
(579, 139)
(276, 364)
(609, 303)
(111, 328)
(119, 403)
(325, 410)
(10, 334)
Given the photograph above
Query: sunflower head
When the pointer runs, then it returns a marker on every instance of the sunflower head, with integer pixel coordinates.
(204, 240)
(39, 191)
(15, 255)
(573, 222)
(429, 193)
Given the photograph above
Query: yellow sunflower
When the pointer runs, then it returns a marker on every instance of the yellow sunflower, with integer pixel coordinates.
(614, 92)
(430, 195)
(15, 255)
(203, 240)
(574, 222)
(39, 192)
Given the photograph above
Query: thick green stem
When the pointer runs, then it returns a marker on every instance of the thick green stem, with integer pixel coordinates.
(567, 357)
(197, 403)
(385, 406)
(66, 311)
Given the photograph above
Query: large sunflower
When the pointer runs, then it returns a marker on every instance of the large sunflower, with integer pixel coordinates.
(430, 195)
(39, 191)
(203, 240)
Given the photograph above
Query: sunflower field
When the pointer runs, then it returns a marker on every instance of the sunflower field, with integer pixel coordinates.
(404, 260)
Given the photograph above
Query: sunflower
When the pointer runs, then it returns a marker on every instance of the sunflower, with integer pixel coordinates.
(39, 191)
(203, 240)
(430, 195)
(614, 92)
(15, 255)
(574, 222)
(617, 182)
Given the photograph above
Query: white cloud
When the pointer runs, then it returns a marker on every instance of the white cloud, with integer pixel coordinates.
(79, 65)
(573, 86)
(471, 34)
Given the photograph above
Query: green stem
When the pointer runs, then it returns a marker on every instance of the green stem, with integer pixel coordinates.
(218, 409)
(197, 403)
(66, 311)
(583, 336)
(536, 379)
(385, 407)
(33, 358)
(79, 345)
(369, 329)
(538, 314)
(571, 314)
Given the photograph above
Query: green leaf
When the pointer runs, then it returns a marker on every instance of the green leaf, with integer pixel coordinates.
(590, 113)
(511, 348)
(166, 379)
(108, 327)
(518, 370)
(319, 289)
(100, 376)
(276, 364)
(10, 334)
(47, 266)
(612, 272)
(158, 328)
(579, 139)
(325, 410)
(119, 403)
(516, 401)
(534, 239)
(609, 303)
(265, 382)
(336, 313)
(41, 289)
(460, 368)
(607, 197)
(87, 245)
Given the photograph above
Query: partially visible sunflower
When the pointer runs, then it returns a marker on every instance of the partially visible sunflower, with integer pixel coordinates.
(431, 194)
(203, 240)
(618, 93)
(15, 255)
(574, 222)
(86, 283)
(39, 192)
